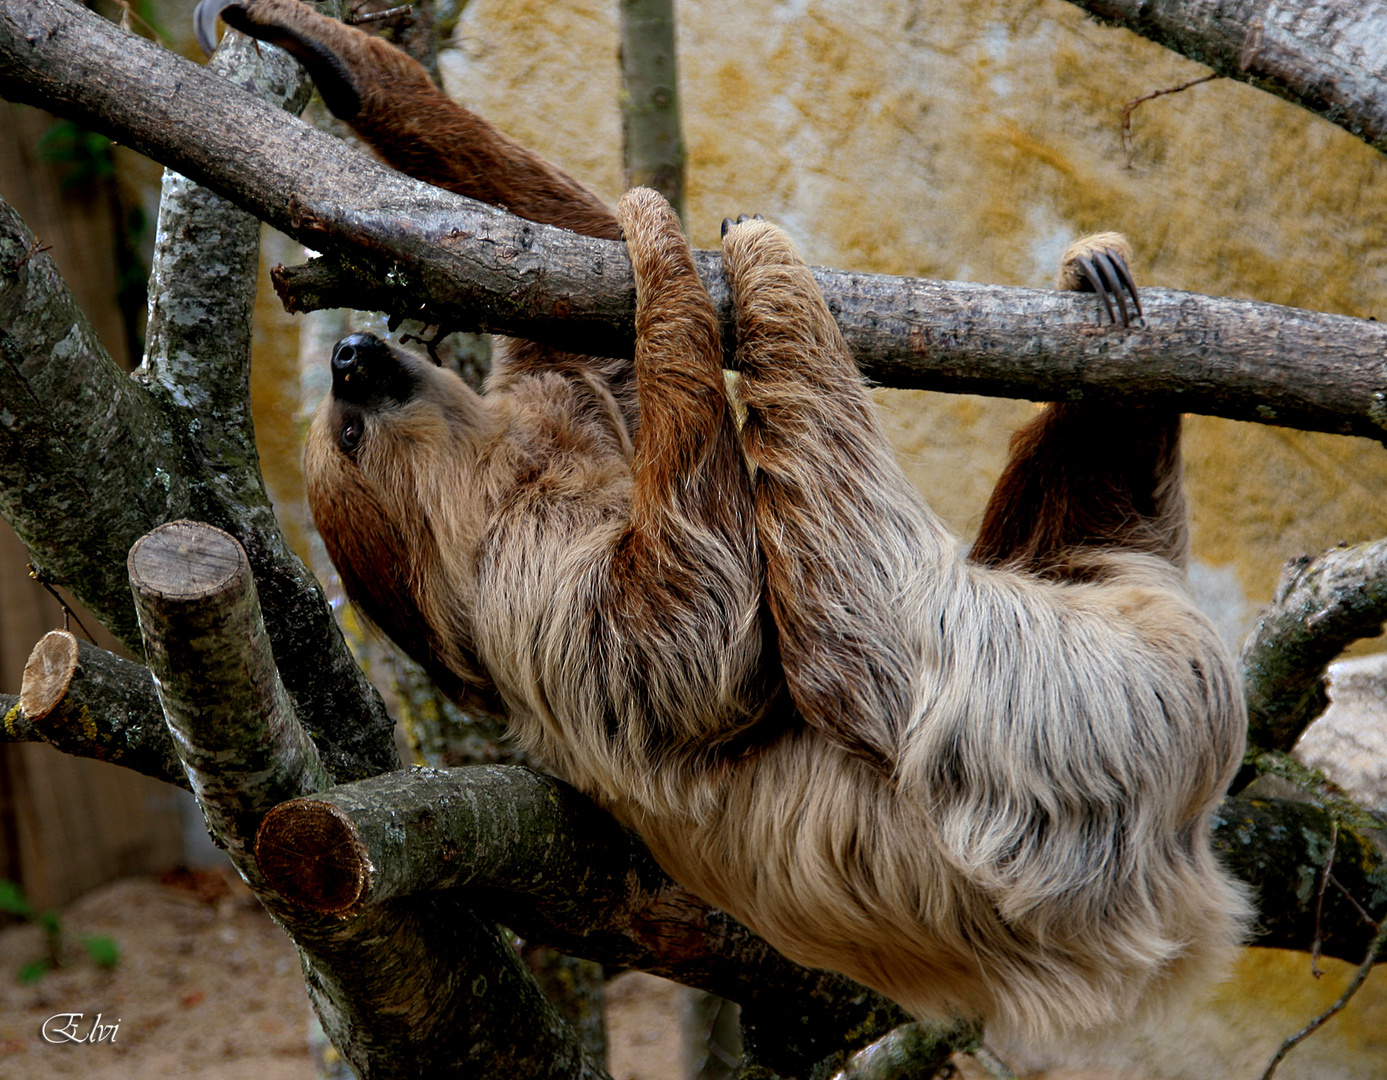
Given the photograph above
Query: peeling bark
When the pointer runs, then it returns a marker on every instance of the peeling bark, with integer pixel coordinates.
(1321, 606)
(1329, 57)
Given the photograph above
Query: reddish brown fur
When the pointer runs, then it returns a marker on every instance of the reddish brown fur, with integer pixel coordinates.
(979, 786)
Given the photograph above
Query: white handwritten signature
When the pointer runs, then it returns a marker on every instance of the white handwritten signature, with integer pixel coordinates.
(63, 1027)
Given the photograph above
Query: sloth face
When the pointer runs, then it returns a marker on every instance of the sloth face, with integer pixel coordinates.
(391, 469)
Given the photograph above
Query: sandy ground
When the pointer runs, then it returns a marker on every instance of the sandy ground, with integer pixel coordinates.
(207, 988)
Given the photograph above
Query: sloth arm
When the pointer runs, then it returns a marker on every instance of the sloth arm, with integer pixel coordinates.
(391, 102)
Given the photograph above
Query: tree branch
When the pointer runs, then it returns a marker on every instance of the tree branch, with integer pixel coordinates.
(421, 987)
(232, 722)
(176, 445)
(1321, 605)
(91, 703)
(1276, 846)
(534, 854)
(416, 251)
(1329, 57)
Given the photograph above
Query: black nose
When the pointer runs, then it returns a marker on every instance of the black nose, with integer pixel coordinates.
(365, 370)
(354, 353)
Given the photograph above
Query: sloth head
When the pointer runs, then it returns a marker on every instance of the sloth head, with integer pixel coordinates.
(394, 484)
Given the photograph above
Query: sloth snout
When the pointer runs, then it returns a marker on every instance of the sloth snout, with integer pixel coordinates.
(367, 372)
(353, 353)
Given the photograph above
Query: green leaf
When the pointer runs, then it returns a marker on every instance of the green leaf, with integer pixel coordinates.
(12, 900)
(102, 949)
(33, 971)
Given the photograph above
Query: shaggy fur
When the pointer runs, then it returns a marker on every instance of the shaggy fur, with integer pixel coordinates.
(981, 785)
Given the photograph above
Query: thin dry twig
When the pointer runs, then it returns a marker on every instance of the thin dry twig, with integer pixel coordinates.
(1362, 913)
(1359, 977)
(35, 248)
(1315, 968)
(129, 16)
(358, 18)
(68, 614)
(1132, 105)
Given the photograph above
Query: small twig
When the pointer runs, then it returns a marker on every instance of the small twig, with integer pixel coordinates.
(68, 614)
(129, 15)
(988, 1059)
(1131, 107)
(1362, 914)
(1315, 969)
(34, 249)
(356, 19)
(1359, 977)
(430, 344)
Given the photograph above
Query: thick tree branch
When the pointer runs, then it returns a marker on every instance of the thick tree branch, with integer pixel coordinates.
(1321, 605)
(83, 440)
(412, 250)
(233, 724)
(177, 444)
(91, 703)
(421, 987)
(1277, 847)
(1329, 56)
(547, 862)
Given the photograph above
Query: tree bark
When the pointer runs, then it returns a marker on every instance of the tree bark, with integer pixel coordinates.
(419, 252)
(652, 141)
(421, 987)
(1321, 606)
(91, 703)
(1328, 56)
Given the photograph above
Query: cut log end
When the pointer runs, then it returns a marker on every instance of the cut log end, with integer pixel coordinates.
(48, 674)
(186, 561)
(312, 855)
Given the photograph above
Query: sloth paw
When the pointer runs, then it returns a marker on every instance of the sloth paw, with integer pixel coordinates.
(1098, 264)
(321, 44)
(727, 222)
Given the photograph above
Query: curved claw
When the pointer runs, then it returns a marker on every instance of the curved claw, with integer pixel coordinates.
(205, 23)
(1095, 282)
(1125, 276)
(1111, 282)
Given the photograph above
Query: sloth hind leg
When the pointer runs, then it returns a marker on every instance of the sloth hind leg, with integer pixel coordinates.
(1085, 476)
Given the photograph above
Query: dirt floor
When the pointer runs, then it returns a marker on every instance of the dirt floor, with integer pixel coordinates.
(207, 988)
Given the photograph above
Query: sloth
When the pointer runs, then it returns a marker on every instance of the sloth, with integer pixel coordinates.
(979, 782)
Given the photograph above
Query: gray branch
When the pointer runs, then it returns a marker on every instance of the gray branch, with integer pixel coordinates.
(421, 987)
(652, 141)
(91, 703)
(536, 855)
(1329, 57)
(1321, 606)
(114, 456)
(416, 251)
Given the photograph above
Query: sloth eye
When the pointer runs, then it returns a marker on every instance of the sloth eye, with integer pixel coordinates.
(350, 437)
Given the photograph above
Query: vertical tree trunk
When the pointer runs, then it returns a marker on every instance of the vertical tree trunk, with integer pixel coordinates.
(653, 144)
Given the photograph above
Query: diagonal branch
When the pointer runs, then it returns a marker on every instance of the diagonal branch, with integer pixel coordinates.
(412, 250)
(1329, 57)
(1321, 606)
